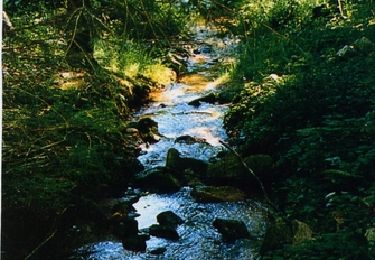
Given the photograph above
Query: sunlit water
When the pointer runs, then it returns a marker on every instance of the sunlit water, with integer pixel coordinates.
(181, 119)
(198, 238)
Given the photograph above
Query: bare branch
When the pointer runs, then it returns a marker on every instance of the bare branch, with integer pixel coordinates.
(265, 194)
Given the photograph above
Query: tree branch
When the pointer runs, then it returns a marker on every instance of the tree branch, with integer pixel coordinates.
(265, 194)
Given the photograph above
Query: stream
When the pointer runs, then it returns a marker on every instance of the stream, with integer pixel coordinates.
(175, 118)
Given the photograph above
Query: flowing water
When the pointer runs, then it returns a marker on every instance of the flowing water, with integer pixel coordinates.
(198, 238)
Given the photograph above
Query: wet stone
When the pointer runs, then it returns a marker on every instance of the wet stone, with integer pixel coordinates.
(231, 229)
(209, 98)
(135, 243)
(164, 231)
(158, 251)
(203, 50)
(127, 228)
(175, 162)
(158, 179)
(148, 130)
(189, 140)
(169, 218)
(217, 194)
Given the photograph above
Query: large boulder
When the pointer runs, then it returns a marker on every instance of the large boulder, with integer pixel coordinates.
(231, 229)
(189, 140)
(278, 233)
(167, 228)
(159, 180)
(173, 158)
(191, 178)
(127, 228)
(217, 194)
(164, 231)
(168, 218)
(136, 242)
(230, 169)
(148, 130)
(178, 163)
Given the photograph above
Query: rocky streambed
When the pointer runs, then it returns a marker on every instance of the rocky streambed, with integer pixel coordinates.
(183, 127)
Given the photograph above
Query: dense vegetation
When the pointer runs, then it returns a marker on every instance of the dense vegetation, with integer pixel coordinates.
(303, 92)
(73, 71)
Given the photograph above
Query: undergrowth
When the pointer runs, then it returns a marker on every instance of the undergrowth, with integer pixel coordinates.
(306, 97)
(73, 71)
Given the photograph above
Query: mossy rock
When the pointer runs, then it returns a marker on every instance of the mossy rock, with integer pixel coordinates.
(148, 130)
(159, 180)
(178, 163)
(279, 233)
(230, 169)
(189, 140)
(226, 169)
(169, 218)
(146, 123)
(231, 230)
(217, 194)
(225, 97)
(164, 231)
(127, 228)
(209, 98)
(173, 157)
(136, 243)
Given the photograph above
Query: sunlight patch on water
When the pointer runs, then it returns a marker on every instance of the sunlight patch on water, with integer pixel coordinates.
(198, 239)
(175, 118)
(173, 92)
(205, 133)
(157, 154)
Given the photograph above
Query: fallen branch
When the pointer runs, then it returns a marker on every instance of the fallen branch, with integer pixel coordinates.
(45, 241)
(49, 237)
(265, 194)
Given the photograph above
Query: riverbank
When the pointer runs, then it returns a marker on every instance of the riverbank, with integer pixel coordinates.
(68, 95)
(303, 93)
(301, 120)
(189, 120)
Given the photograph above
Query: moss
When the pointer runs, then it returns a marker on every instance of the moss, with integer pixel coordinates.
(217, 194)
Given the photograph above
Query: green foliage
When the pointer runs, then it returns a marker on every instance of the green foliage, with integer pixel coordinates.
(312, 108)
(130, 59)
(340, 245)
(67, 123)
(66, 110)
